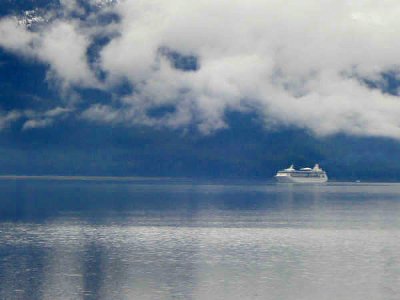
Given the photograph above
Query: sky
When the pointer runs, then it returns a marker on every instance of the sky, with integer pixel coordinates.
(323, 69)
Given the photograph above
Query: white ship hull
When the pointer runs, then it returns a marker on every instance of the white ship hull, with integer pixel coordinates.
(284, 178)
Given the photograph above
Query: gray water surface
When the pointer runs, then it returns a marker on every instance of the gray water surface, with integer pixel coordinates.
(164, 239)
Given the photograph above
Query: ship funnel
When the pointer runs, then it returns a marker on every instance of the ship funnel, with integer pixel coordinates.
(291, 168)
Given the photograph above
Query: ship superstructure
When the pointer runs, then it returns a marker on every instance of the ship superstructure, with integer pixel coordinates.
(303, 175)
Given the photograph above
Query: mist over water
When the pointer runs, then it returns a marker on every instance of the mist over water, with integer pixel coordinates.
(169, 239)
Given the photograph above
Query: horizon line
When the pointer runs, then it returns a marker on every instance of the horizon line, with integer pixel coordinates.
(82, 177)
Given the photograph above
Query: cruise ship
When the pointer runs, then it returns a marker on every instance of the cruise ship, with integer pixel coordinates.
(304, 175)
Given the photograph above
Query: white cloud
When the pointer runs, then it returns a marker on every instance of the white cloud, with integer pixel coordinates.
(7, 118)
(41, 119)
(295, 62)
(70, 6)
(59, 44)
(103, 113)
(33, 119)
(57, 111)
(41, 123)
(15, 37)
(64, 48)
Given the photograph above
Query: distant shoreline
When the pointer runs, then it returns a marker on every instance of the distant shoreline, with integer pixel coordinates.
(82, 178)
(181, 179)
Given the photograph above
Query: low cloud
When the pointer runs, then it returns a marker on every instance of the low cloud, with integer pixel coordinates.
(41, 119)
(33, 119)
(7, 118)
(31, 124)
(317, 65)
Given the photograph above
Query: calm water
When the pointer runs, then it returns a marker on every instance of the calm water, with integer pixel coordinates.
(191, 240)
